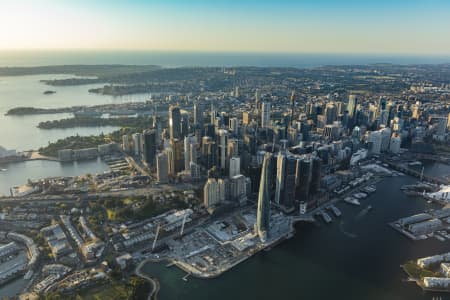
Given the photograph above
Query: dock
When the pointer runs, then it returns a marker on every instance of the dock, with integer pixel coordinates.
(335, 210)
(326, 217)
(185, 278)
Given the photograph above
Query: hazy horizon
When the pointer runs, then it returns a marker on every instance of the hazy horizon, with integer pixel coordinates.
(32, 58)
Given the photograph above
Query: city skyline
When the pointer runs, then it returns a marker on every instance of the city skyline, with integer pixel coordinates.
(324, 26)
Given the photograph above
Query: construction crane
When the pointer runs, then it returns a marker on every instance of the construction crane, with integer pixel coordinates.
(182, 225)
(156, 237)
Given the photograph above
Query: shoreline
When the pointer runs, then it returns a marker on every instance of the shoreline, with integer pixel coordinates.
(153, 295)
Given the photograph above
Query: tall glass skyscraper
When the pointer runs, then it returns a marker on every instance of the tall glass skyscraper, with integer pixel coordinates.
(174, 122)
(263, 211)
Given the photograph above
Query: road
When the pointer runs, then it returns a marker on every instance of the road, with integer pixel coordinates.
(153, 295)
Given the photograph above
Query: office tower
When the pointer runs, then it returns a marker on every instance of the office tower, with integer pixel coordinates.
(356, 133)
(374, 142)
(174, 122)
(156, 124)
(293, 98)
(381, 104)
(250, 144)
(332, 132)
(149, 147)
(190, 143)
(385, 138)
(235, 166)
(198, 115)
(137, 144)
(263, 211)
(233, 148)
(213, 113)
(257, 98)
(194, 170)
(233, 126)
(292, 136)
(321, 121)
(246, 118)
(162, 168)
(448, 121)
(415, 108)
(351, 106)
(302, 180)
(126, 147)
(288, 193)
(383, 117)
(339, 108)
(224, 189)
(184, 125)
(330, 113)
(281, 170)
(265, 115)
(211, 196)
(441, 126)
(237, 92)
(238, 189)
(170, 161)
(316, 176)
(178, 159)
(222, 148)
(394, 145)
(209, 150)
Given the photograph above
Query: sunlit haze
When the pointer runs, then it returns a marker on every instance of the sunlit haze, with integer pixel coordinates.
(410, 27)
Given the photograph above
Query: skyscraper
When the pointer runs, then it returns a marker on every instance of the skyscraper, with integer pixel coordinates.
(222, 148)
(178, 159)
(149, 147)
(233, 126)
(303, 180)
(330, 113)
(265, 115)
(279, 187)
(162, 168)
(174, 122)
(211, 193)
(137, 143)
(189, 147)
(235, 166)
(198, 115)
(351, 106)
(263, 211)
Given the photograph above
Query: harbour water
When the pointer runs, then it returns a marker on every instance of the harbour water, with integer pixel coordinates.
(18, 173)
(21, 133)
(351, 258)
(192, 58)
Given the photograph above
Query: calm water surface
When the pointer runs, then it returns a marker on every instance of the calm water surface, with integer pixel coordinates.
(19, 173)
(323, 261)
(21, 133)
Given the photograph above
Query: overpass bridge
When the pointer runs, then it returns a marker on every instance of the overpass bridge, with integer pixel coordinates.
(417, 174)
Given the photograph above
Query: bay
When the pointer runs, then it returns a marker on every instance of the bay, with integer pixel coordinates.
(323, 261)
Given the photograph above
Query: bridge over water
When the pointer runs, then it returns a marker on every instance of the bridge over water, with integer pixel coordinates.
(417, 174)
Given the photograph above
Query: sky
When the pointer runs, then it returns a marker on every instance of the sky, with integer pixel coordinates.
(272, 26)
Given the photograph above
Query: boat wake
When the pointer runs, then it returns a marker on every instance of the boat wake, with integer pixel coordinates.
(348, 234)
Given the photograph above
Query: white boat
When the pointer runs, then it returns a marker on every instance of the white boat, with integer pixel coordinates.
(351, 200)
(3, 170)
